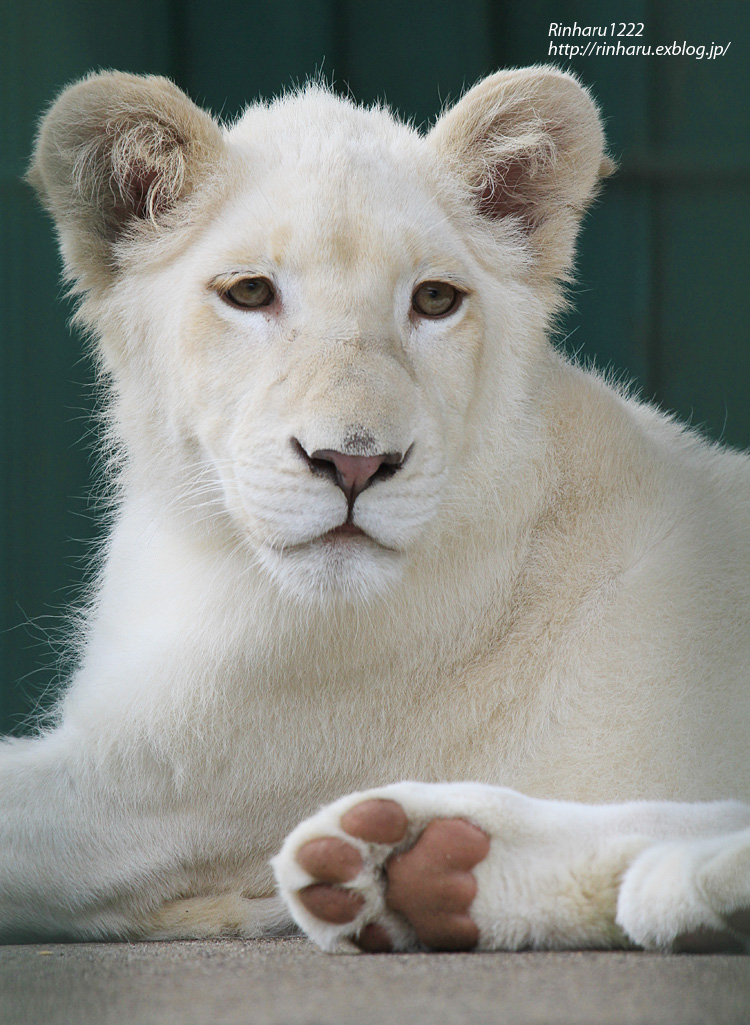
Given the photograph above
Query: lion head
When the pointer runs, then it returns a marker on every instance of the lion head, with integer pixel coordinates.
(324, 332)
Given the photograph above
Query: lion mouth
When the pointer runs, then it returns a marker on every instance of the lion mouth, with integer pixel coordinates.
(344, 530)
(348, 534)
(345, 535)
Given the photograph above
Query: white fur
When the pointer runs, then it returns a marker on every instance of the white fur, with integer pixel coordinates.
(555, 595)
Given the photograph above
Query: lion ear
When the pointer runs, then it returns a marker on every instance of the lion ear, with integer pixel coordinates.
(529, 145)
(115, 150)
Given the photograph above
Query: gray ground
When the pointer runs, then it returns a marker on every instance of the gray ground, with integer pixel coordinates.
(288, 982)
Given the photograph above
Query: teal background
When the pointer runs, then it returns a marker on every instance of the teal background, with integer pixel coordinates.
(662, 294)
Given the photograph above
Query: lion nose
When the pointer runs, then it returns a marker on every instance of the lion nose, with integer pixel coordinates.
(352, 473)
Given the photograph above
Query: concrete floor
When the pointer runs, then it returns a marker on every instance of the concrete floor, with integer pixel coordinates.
(289, 982)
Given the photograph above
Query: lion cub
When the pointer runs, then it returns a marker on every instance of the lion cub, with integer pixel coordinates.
(373, 527)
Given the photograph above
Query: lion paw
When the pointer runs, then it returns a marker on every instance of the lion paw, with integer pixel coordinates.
(371, 876)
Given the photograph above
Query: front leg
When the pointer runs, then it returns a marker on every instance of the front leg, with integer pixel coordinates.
(68, 866)
(98, 848)
(467, 866)
(84, 853)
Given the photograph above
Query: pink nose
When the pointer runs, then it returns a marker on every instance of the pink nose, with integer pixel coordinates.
(352, 473)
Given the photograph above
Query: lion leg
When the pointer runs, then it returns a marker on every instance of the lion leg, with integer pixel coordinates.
(76, 861)
(82, 859)
(466, 866)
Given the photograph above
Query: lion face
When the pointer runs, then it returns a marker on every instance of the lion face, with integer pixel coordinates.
(329, 345)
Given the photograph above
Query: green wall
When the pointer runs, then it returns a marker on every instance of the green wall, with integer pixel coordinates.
(662, 295)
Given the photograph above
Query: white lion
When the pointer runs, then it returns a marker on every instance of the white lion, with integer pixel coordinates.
(372, 526)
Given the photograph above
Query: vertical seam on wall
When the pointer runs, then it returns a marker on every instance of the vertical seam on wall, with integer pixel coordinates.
(177, 28)
(654, 92)
(341, 35)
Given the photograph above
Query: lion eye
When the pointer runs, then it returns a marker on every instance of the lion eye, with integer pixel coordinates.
(435, 299)
(250, 293)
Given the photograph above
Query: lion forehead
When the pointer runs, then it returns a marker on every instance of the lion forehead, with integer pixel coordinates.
(326, 181)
